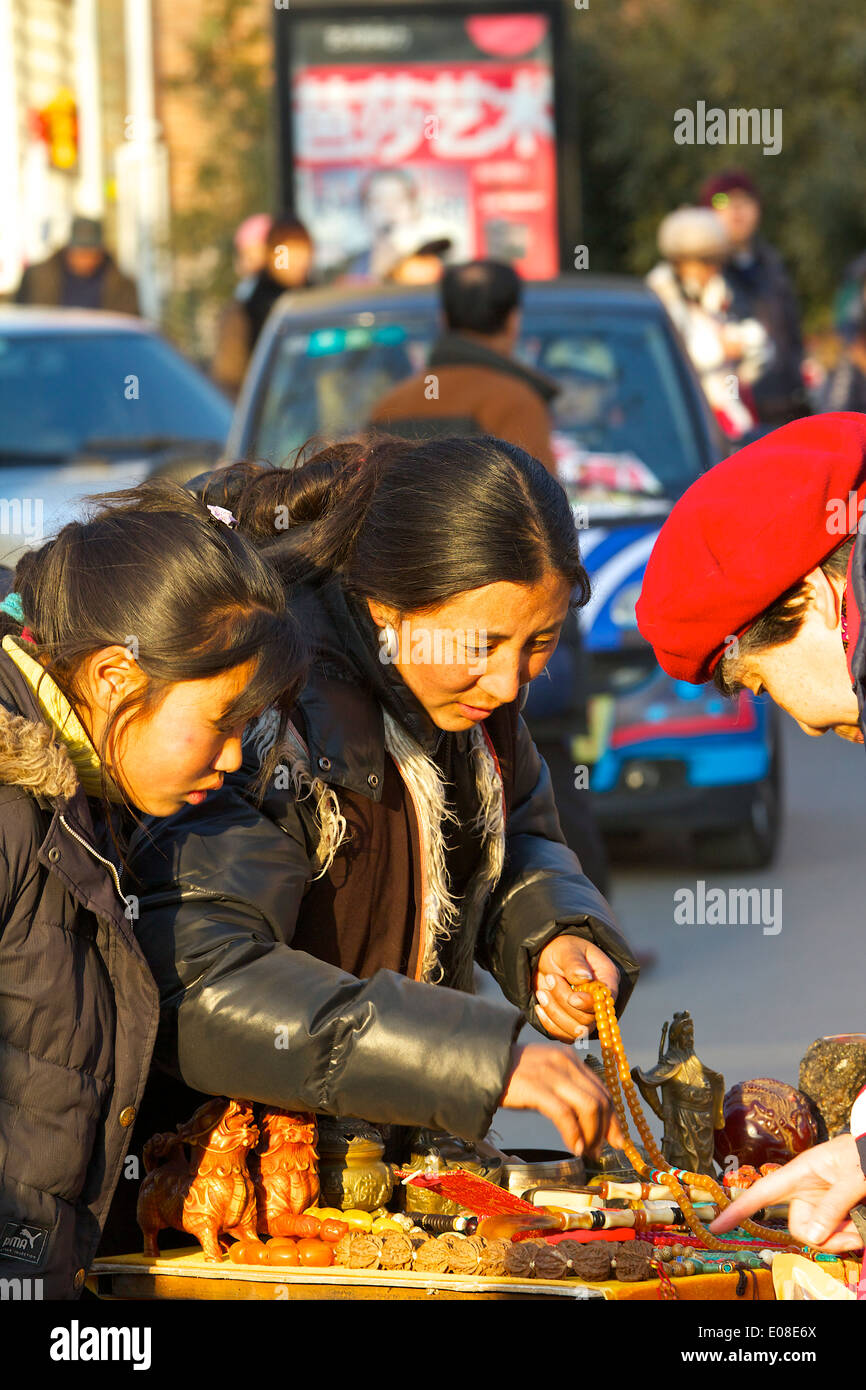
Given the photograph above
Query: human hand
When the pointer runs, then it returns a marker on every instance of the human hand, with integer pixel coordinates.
(549, 1078)
(822, 1185)
(563, 1011)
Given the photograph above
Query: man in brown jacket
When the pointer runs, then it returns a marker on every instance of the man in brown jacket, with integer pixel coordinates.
(473, 384)
(81, 275)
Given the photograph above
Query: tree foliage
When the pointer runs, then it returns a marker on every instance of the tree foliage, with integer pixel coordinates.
(641, 60)
(229, 82)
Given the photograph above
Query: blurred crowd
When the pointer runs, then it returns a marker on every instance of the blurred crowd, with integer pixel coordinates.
(723, 285)
(733, 303)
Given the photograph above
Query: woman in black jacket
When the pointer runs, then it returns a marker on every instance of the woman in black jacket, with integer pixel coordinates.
(137, 645)
(301, 949)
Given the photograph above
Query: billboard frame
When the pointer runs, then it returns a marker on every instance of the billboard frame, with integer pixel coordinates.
(564, 115)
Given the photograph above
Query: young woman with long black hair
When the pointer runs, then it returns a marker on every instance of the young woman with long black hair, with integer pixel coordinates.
(136, 646)
(318, 952)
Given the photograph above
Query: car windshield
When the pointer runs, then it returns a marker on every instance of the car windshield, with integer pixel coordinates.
(623, 435)
(63, 393)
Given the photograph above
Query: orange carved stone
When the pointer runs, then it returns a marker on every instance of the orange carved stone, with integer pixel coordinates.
(209, 1191)
(284, 1168)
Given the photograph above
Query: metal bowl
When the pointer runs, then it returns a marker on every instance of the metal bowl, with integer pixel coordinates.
(528, 1168)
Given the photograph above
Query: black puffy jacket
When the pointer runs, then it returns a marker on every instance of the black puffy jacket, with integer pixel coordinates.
(78, 1009)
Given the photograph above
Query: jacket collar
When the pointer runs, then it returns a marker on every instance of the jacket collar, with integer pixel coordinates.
(456, 350)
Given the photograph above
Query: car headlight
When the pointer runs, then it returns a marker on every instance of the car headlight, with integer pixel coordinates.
(622, 608)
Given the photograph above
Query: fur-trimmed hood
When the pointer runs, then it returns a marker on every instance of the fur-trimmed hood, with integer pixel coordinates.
(31, 756)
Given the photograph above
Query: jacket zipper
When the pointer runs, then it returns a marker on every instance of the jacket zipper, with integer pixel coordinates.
(107, 862)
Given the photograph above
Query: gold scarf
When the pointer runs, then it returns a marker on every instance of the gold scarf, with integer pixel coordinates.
(59, 713)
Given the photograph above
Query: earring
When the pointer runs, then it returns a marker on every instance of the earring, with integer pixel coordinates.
(389, 646)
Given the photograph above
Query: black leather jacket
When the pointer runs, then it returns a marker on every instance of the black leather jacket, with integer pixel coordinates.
(245, 1014)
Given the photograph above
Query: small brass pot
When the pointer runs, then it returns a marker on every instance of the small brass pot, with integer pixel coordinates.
(352, 1172)
(553, 1168)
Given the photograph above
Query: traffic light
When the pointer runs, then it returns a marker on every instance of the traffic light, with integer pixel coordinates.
(57, 125)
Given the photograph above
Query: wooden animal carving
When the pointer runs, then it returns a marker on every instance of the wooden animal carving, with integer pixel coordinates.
(284, 1168)
(208, 1192)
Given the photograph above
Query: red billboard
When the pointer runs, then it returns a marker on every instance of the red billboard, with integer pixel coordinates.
(409, 129)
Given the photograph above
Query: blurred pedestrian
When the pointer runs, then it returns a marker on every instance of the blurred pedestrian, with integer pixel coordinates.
(845, 385)
(287, 265)
(728, 352)
(473, 383)
(251, 250)
(80, 275)
(762, 290)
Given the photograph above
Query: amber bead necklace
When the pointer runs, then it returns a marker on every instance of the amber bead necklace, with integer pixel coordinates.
(616, 1072)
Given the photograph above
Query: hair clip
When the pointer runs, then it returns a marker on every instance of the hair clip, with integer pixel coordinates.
(224, 515)
(13, 606)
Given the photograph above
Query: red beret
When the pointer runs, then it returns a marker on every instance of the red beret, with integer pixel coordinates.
(745, 532)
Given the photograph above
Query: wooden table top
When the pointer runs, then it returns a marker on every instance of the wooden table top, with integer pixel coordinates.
(186, 1274)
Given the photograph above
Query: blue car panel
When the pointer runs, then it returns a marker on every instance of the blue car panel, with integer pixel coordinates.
(716, 741)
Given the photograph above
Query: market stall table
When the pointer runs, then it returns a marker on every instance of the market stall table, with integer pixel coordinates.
(185, 1274)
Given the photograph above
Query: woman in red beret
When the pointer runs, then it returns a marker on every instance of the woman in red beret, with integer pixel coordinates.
(758, 581)
(770, 542)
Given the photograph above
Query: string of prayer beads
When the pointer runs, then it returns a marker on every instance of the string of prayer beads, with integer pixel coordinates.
(618, 1075)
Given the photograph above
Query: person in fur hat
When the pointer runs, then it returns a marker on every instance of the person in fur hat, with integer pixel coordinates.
(727, 350)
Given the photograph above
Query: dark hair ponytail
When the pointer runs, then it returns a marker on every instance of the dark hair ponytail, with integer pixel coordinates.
(412, 524)
(153, 570)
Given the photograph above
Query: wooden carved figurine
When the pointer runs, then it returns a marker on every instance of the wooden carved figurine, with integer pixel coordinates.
(284, 1168)
(208, 1193)
(691, 1098)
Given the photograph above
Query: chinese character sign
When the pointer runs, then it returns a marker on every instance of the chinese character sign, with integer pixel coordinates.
(399, 152)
